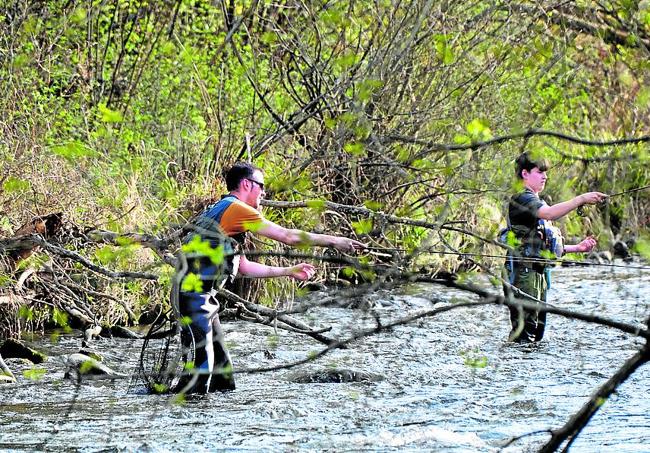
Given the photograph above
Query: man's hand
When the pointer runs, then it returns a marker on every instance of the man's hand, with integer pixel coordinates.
(302, 271)
(347, 245)
(593, 197)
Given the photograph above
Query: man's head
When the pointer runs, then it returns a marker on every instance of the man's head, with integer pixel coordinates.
(532, 170)
(246, 181)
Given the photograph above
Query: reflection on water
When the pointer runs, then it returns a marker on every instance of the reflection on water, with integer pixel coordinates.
(451, 383)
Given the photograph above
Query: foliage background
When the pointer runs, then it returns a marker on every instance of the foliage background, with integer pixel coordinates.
(123, 114)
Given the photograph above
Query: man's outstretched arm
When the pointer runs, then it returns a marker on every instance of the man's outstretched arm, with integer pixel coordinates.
(295, 237)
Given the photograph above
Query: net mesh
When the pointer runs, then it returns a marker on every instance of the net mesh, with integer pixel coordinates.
(162, 357)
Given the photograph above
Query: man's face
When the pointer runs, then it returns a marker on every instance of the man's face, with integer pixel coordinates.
(255, 189)
(534, 179)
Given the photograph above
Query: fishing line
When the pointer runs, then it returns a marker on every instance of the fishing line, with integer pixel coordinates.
(515, 258)
(539, 260)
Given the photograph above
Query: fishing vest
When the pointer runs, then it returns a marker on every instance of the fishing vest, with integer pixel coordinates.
(544, 238)
(210, 253)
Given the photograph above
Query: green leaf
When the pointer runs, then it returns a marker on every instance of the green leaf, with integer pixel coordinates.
(443, 50)
(269, 37)
(316, 205)
(363, 226)
(462, 139)
(26, 313)
(373, 205)
(643, 98)
(13, 184)
(367, 87)
(107, 115)
(642, 247)
(160, 388)
(356, 149)
(60, 317)
(348, 271)
(5, 280)
(73, 150)
(204, 248)
(79, 15)
(87, 366)
(55, 336)
(34, 374)
(168, 49)
(335, 18)
(106, 254)
(346, 61)
(330, 123)
(474, 358)
(476, 362)
(512, 240)
(124, 241)
(192, 284)
(478, 130)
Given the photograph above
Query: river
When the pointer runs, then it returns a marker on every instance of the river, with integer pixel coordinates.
(451, 383)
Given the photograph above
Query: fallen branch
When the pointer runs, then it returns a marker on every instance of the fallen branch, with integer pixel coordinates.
(294, 324)
(22, 242)
(580, 419)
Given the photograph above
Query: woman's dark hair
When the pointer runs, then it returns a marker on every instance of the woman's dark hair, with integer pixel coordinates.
(239, 171)
(526, 162)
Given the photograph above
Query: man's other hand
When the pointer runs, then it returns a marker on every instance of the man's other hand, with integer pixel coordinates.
(302, 271)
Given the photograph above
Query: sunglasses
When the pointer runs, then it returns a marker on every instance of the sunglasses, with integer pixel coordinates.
(261, 184)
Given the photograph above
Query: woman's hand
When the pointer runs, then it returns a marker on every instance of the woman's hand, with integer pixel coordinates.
(593, 197)
(587, 245)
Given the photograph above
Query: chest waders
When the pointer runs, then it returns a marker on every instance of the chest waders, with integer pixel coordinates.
(183, 350)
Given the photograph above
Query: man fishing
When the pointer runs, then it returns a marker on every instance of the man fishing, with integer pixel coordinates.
(535, 239)
(225, 225)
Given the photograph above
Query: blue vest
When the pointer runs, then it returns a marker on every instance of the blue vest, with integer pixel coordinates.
(207, 227)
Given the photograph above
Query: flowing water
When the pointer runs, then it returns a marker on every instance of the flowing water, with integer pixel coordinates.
(451, 383)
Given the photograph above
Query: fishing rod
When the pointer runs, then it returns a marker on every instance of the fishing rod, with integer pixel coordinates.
(625, 192)
(581, 209)
(538, 260)
(514, 258)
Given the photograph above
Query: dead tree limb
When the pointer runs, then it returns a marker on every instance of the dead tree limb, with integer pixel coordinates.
(271, 314)
(432, 147)
(37, 240)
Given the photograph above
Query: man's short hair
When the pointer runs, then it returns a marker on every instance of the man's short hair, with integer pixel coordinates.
(239, 171)
(527, 162)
